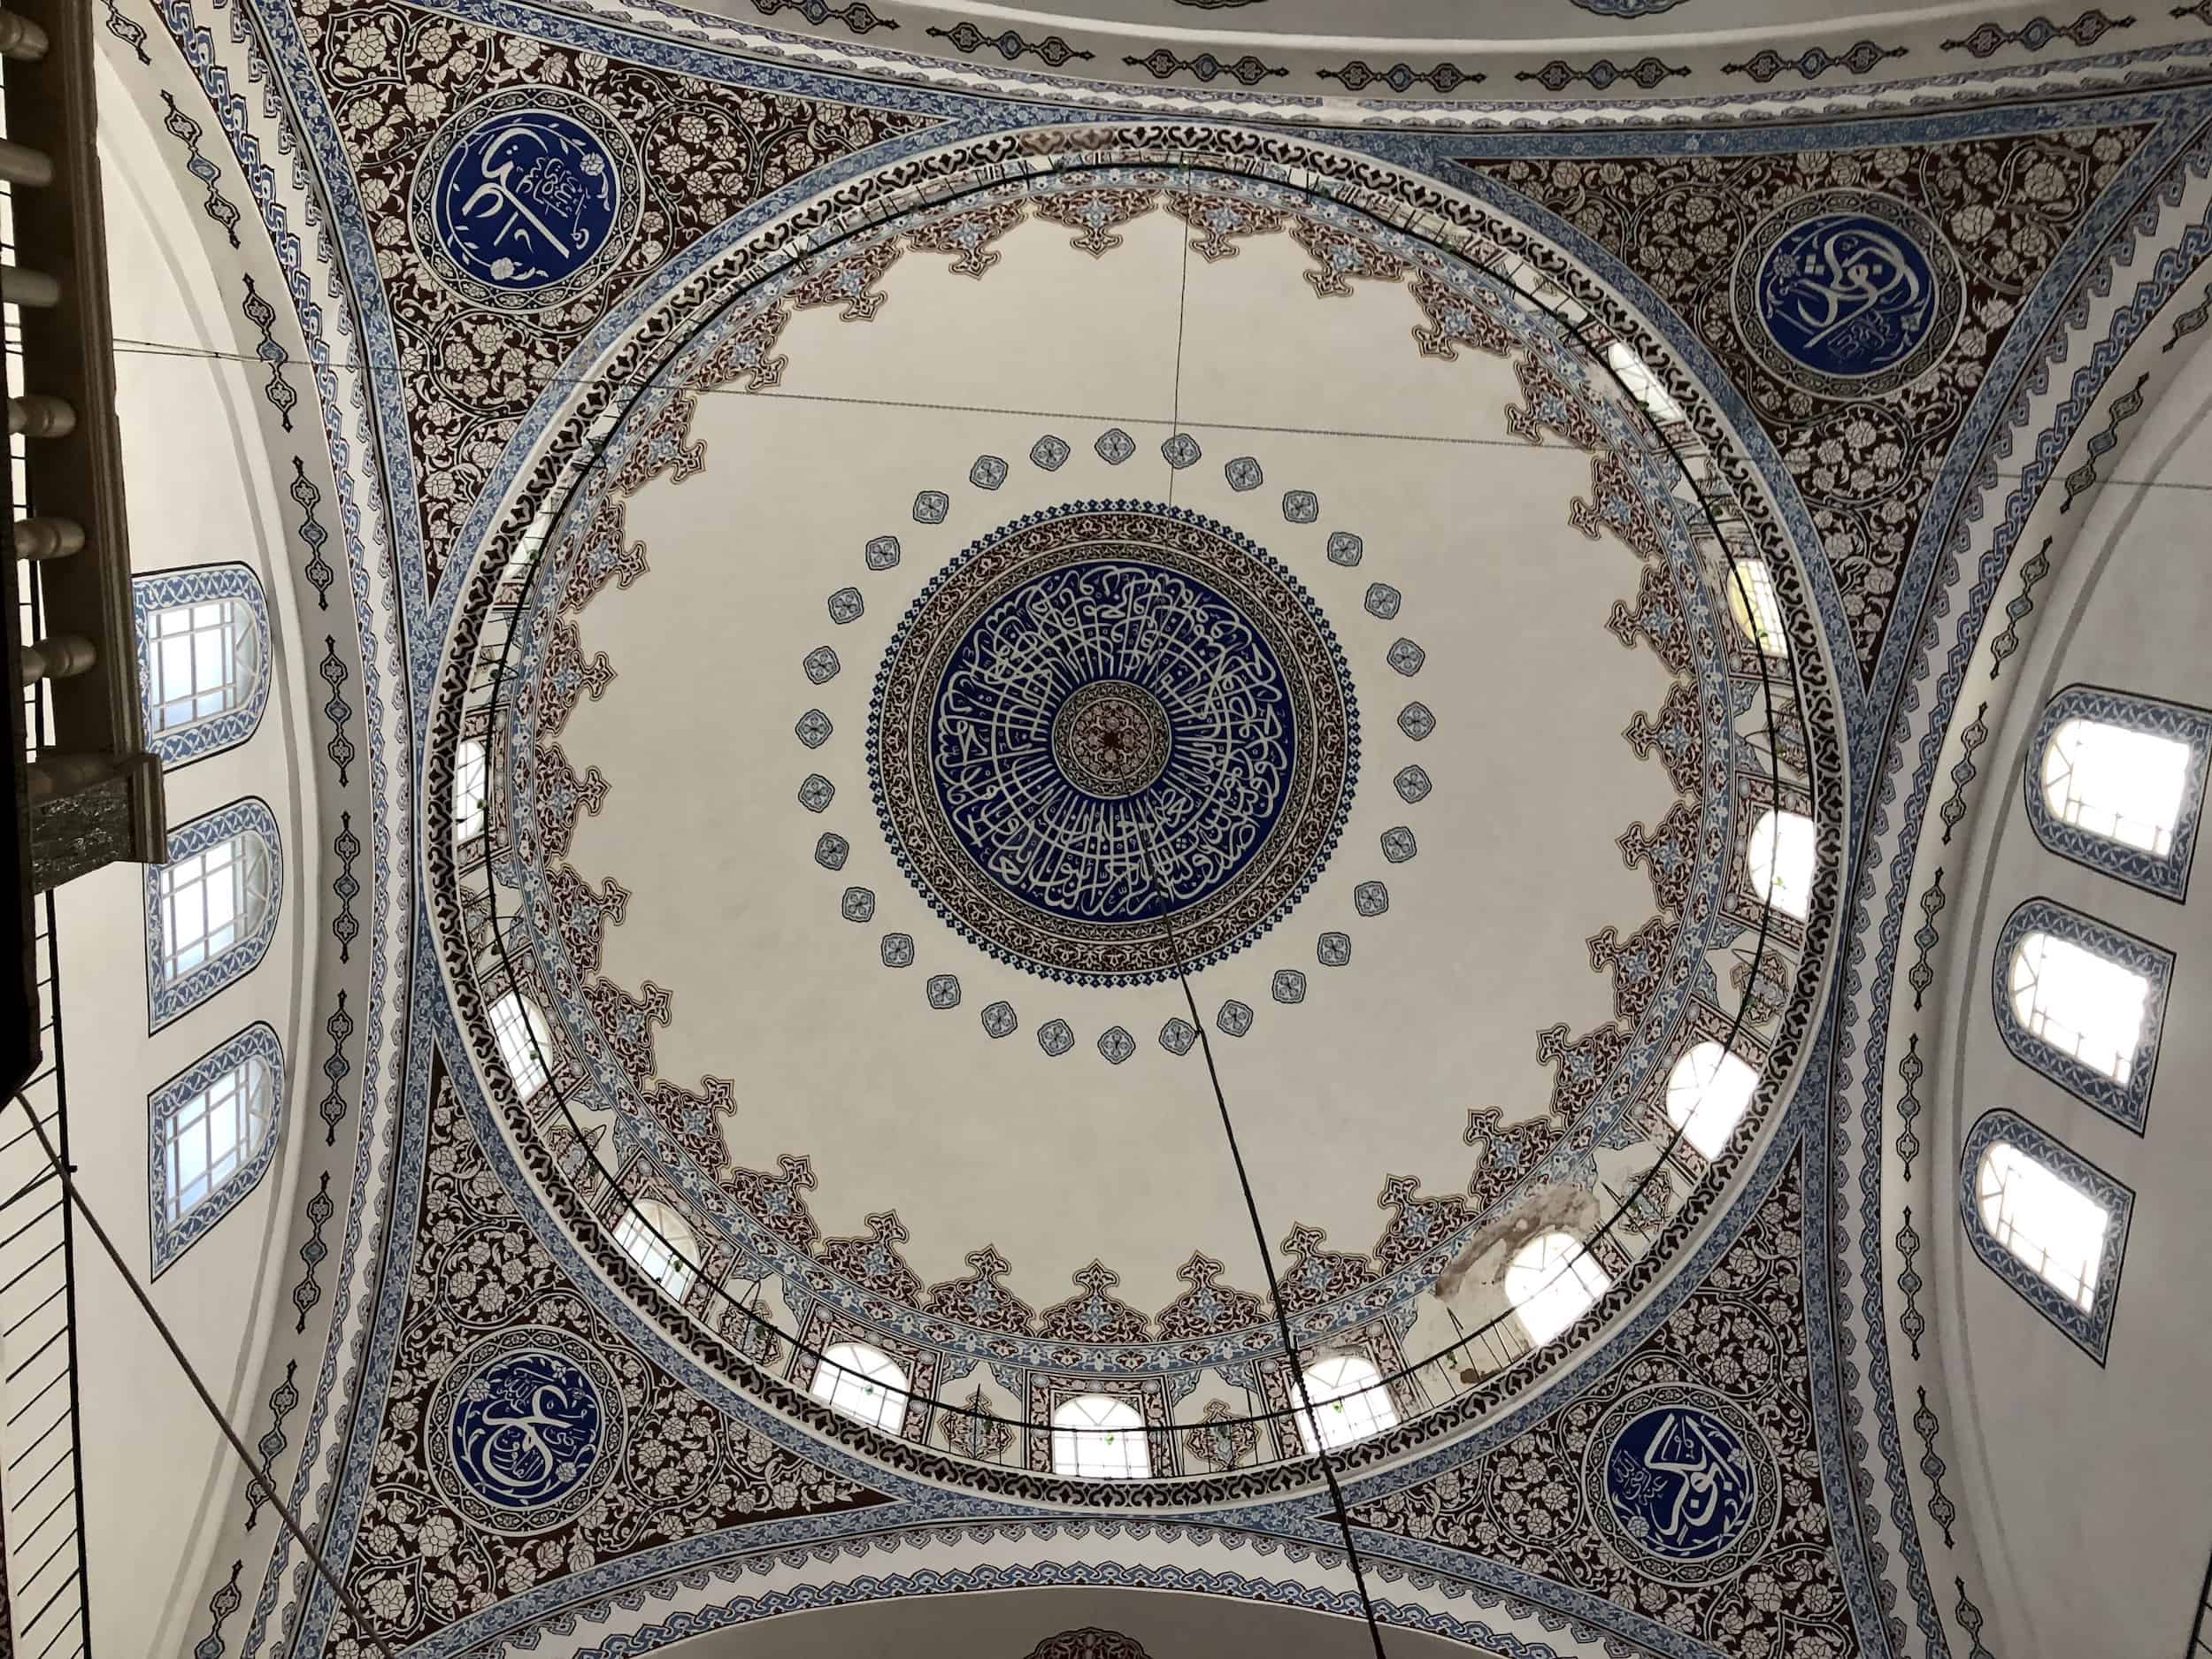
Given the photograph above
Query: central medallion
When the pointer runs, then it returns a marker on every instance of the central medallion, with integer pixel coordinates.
(1112, 741)
(1111, 738)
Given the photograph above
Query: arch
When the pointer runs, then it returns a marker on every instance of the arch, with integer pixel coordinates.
(2082, 1003)
(1096, 1437)
(211, 906)
(2115, 780)
(1708, 1093)
(1781, 856)
(665, 1246)
(2028, 1204)
(864, 1383)
(211, 1135)
(1551, 1281)
(203, 659)
(1349, 1399)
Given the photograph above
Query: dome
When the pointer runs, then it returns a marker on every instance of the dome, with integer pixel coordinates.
(1092, 833)
(1040, 772)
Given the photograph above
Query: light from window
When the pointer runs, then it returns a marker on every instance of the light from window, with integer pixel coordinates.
(2049, 1224)
(1642, 384)
(204, 660)
(207, 1137)
(2125, 786)
(862, 1382)
(524, 1042)
(661, 1242)
(1756, 607)
(471, 789)
(1097, 1437)
(1781, 854)
(2081, 1004)
(211, 901)
(1708, 1093)
(1349, 1402)
(1550, 1282)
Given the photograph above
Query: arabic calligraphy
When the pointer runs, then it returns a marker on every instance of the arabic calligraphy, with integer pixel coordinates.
(1846, 292)
(531, 1416)
(1680, 1481)
(530, 196)
(1197, 701)
(1109, 718)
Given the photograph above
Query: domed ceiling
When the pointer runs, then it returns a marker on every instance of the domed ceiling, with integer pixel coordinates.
(995, 628)
(1044, 620)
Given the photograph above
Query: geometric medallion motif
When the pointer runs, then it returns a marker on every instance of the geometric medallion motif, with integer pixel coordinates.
(1680, 1481)
(527, 198)
(1846, 293)
(1167, 709)
(527, 1427)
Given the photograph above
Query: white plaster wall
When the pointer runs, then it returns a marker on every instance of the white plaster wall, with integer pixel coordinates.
(2089, 1490)
(200, 492)
(1010, 1625)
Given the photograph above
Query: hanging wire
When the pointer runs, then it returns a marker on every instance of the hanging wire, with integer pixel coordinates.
(1293, 1369)
(254, 1482)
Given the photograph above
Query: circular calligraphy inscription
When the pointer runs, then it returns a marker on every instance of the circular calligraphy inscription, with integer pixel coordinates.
(1846, 293)
(526, 1428)
(1113, 740)
(1681, 1483)
(526, 198)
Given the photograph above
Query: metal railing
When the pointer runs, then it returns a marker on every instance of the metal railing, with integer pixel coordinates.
(42, 1475)
(1474, 1360)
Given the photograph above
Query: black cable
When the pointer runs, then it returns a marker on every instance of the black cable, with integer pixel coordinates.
(1274, 1285)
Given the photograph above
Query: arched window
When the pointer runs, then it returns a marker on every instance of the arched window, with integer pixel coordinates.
(524, 1045)
(2056, 1229)
(210, 1133)
(212, 907)
(2116, 781)
(1096, 1437)
(1781, 854)
(2048, 1222)
(2125, 785)
(471, 789)
(862, 1382)
(1349, 1402)
(1756, 607)
(2082, 1003)
(1641, 383)
(1708, 1093)
(203, 658)
(661, 1242)
(1551, 1280)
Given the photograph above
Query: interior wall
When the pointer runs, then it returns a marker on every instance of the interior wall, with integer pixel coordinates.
(2086, 1485)
(200, 492)
(1011, 1624)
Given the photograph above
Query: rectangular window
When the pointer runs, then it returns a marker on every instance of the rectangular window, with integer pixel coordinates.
(519, 1030)
(201, 657)
(2053, 1226)
(210, 900)
(472, 781)
(212, 1132)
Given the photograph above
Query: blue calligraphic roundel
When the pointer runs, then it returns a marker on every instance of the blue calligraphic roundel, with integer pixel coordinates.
(1112, 739)
(525, 1429)
(1846, 293)
(1682, 1483)
(527, 198)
